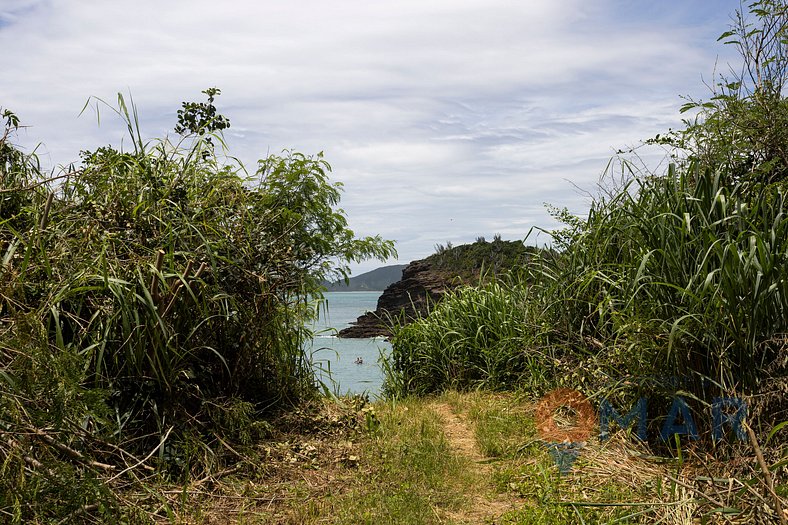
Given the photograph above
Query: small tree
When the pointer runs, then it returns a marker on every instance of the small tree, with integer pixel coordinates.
(201, 117)
(743, 127)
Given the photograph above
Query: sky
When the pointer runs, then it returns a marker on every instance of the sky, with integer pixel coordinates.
(445, 120)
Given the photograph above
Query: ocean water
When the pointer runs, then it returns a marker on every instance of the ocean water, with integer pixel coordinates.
(348, 365)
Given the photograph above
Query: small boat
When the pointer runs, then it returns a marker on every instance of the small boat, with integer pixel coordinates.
(359, 361)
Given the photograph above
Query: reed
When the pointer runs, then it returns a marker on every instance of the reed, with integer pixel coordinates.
(689, 265)
(679, 276)
(476, 337)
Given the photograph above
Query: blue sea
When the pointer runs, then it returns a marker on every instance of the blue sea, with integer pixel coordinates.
(348, 365)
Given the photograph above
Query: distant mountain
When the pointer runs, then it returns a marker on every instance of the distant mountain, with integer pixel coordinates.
(376, 280)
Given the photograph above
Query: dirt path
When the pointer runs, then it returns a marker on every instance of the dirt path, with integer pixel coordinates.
(485, 506)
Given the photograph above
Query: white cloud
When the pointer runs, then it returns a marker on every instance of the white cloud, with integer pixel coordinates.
(445, 119)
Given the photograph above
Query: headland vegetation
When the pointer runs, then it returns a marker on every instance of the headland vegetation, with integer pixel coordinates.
(425, 282)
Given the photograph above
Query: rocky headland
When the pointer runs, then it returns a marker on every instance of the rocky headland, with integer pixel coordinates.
(408, 297)
(426, 281)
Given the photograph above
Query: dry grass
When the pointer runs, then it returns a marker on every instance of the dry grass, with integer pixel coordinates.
(459, 458)
(311, 455)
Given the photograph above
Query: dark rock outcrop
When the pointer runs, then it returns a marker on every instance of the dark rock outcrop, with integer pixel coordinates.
(420, 285)
(426, 281)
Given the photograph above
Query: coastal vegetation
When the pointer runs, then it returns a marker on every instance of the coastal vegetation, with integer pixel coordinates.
(674, 284)
(473, 261)
(425, 282)
(154, 305)
(678, 274)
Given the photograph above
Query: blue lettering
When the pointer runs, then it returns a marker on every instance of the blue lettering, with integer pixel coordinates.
(608, 413)
(736, 419)
(670, 427)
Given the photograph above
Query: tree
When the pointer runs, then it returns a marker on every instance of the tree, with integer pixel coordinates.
(307, 221)
(745, 124)
(743, 127)
(165, 283)
(201, 118)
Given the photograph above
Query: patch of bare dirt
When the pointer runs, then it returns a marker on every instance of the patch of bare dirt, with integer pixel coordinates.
(485, 507)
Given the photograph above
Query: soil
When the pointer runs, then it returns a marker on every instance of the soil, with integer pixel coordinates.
(486, 506)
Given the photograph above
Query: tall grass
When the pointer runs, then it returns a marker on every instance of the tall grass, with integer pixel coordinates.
(488, 336)
(690, 266)
(151, 301)
(679, 276)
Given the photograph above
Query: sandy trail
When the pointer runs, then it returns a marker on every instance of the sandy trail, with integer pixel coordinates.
(485, 506)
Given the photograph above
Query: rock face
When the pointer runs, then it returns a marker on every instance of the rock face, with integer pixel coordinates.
(426, 281)
(420, 285)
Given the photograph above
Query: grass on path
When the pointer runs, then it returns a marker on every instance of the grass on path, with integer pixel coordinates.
(469, 458)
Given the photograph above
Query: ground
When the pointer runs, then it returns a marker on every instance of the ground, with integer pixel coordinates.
(473, 458)
(484, 504)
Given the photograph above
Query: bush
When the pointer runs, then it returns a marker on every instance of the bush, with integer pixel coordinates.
(488, 336)
(674, 281)
(147, 290)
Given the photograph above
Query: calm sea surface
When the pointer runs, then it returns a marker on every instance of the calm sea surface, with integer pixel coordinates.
(335, 359)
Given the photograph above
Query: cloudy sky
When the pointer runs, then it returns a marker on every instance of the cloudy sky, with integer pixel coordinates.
(445, 119)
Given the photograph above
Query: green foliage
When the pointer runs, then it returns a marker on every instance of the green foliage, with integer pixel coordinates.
(157, 301)
(678, 276)
(689, 261)
(481, 256)
(201, 117)
(17, 171)
(308, 226)
(742, 127)
(488, 336)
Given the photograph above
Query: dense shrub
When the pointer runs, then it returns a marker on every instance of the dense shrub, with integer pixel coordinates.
(154, 300)
(674, 282)
(475, 337)
(480, 257)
